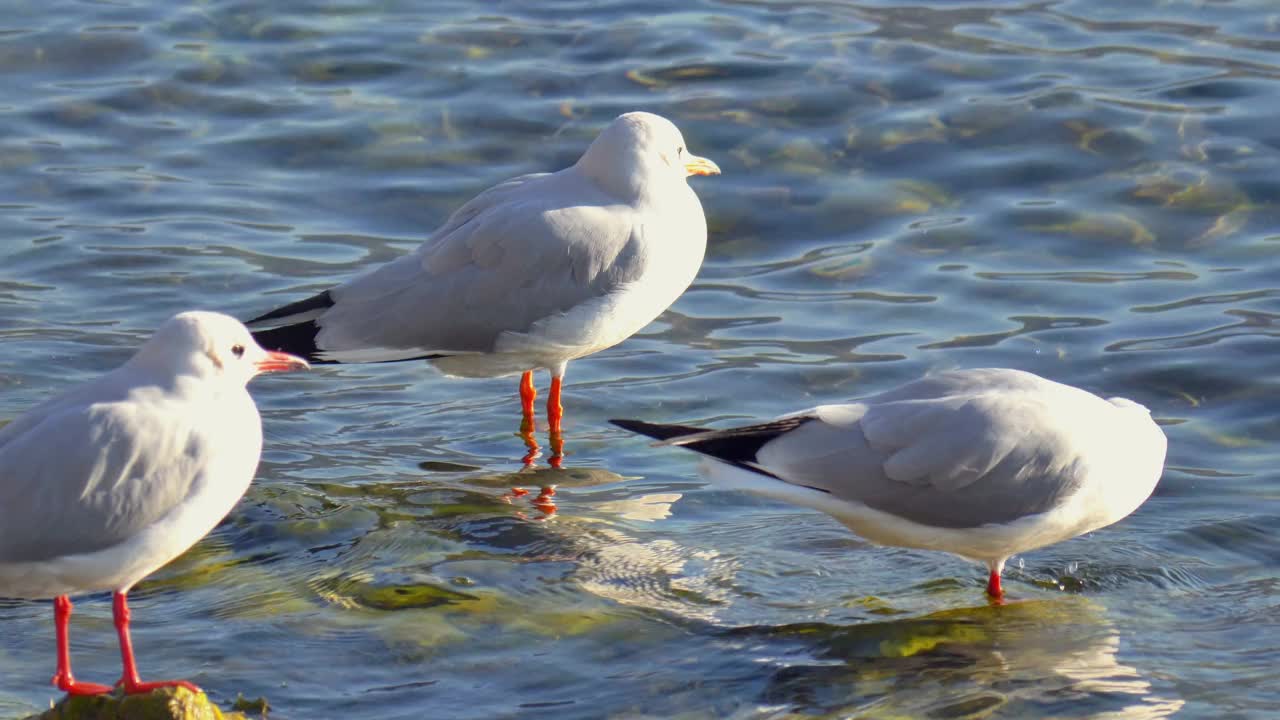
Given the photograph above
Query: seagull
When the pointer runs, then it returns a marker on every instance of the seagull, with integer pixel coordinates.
(982, 463)
(102, 485)
(531, 273)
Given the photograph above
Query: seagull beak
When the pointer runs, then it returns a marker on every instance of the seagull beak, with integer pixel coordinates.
(281, 362)
(700, 166)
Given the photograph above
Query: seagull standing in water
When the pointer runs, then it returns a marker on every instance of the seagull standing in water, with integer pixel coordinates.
(531, 273)
(101, 486)
(980, 463)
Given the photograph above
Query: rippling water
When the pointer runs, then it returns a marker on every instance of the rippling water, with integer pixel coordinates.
(1083, 189)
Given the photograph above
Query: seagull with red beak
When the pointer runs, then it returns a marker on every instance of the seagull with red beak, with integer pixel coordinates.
(106, 483)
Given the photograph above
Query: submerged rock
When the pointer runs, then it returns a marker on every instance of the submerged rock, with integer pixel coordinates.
(162, 704)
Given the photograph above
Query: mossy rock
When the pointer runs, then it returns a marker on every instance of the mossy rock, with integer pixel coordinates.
(163, 704)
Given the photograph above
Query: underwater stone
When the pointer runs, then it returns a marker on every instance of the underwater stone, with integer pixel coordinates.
(162, 704)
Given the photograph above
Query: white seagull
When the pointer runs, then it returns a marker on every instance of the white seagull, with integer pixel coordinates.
(102, 485)
(531, 273)
(980, 463)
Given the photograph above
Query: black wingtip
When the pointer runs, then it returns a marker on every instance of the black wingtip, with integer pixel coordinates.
(656, 430)
(323, 301)
(735, 446)
(297, 339)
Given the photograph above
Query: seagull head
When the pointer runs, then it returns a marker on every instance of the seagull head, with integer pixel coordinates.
(211, 345)
(638, 148)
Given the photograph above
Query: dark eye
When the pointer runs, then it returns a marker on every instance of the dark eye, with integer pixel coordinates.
(680, 151)
(237, 350)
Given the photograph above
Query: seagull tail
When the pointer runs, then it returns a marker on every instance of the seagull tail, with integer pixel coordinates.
(657, 431)
(296, 327)
(735, 446)
(296, 312)
(296, 339)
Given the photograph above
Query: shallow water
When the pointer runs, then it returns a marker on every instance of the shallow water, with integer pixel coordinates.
(1083, 189)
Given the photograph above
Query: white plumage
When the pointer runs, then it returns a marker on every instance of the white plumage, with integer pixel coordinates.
(980, 463)
(531, 273)
(104, 484)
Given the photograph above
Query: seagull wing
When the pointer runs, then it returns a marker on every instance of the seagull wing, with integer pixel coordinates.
(84, 477)
(526, 250)
(954, 450)
(963, 458)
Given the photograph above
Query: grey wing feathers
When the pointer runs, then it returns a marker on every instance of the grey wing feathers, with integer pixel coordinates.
(948, 443)
(956, 449)
(946, 462)
(84, 478)
(520, 252)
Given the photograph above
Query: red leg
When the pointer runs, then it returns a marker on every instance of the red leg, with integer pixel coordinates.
(555, 411)
(129, 679)
(63, 679)
(528, 393)
(546, 498)
(993, 586)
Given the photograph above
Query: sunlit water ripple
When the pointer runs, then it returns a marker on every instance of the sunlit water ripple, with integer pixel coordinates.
(1078, 188)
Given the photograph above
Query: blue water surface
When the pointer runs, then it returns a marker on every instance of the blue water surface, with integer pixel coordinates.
(1079, 188)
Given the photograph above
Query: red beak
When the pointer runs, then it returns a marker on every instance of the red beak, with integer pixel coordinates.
(276, 361)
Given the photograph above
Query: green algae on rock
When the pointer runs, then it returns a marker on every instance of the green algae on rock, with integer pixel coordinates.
(162, 704)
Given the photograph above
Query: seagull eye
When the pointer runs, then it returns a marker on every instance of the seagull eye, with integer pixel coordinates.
(680, 151)
(237, 350)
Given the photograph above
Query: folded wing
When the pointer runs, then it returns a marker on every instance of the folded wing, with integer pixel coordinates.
(523, 251)
(86, 477)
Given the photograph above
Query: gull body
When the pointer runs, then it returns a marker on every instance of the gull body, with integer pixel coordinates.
(982, 463)
(103, 485)
(531, 273)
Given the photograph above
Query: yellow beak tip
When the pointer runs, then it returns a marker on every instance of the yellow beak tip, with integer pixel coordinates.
(701, 166)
